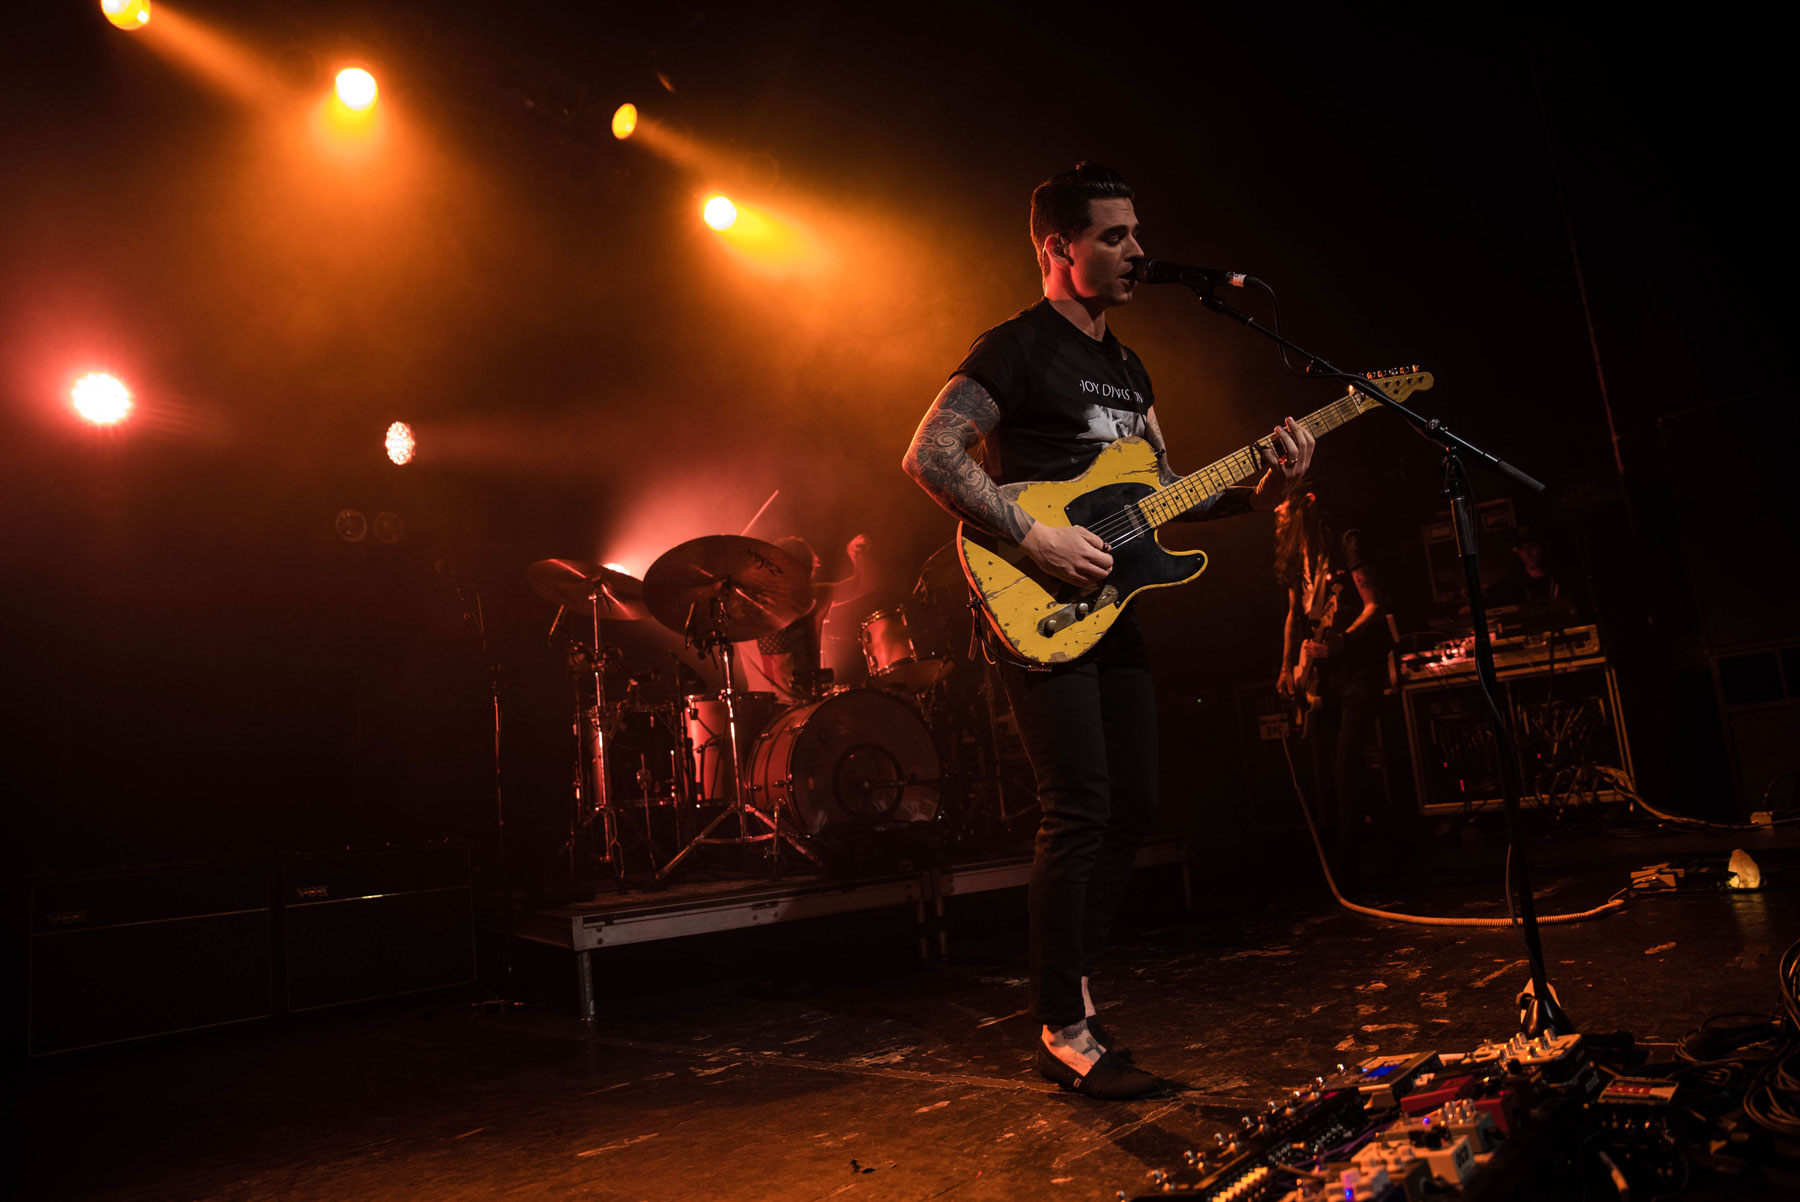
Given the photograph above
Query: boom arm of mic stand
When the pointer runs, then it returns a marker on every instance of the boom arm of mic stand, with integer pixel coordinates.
(1544, 1013)
(1430, 427)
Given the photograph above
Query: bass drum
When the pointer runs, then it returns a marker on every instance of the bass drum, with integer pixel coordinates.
(858, 759)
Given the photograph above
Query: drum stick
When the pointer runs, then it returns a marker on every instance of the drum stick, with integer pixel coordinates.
(759, 513)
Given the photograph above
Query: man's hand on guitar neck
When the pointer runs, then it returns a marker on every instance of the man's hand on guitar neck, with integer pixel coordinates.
(1289, 455)
(1073, 554)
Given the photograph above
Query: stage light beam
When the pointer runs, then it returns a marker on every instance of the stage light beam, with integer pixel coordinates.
(719, 212)
(624, 122)
(356, 89)
(101, 399)
(127, 14)
(400, 443)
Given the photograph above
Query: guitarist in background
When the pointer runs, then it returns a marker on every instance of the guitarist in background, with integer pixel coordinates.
(1333, 665)
(1041, 395)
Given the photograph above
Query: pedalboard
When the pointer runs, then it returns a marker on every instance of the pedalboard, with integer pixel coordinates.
(1406, 1127)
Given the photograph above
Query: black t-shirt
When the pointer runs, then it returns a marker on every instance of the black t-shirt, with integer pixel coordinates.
(1363, 660)
(1063, 396)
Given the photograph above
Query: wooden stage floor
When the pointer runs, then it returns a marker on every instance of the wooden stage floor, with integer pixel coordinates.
(825, 1060)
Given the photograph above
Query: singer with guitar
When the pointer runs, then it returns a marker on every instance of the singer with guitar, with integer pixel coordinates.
(1043, 396)
(1333, 667)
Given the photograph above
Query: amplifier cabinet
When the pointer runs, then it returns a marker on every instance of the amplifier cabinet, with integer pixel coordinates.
(1564, 722)
(127, 955)
(358, 925)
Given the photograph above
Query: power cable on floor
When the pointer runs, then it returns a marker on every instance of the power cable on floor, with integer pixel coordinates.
(1613, 904)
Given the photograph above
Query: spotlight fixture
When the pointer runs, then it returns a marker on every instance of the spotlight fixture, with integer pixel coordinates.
(355, 88)
(719, 212)
(400, 443)
(351, 525)
(127, 14)
(624, 121)
(101, 399)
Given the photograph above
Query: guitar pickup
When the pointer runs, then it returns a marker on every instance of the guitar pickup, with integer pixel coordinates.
(1074, 611)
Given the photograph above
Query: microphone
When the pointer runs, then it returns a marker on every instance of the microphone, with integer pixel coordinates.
(1161, 271)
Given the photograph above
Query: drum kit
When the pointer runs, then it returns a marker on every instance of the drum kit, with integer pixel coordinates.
(839, 770)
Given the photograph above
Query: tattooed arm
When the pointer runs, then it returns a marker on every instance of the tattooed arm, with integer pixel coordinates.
(1222, 504)
(939, 461)
(1294, 446)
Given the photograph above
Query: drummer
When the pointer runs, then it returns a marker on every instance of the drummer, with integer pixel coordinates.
(788, 660)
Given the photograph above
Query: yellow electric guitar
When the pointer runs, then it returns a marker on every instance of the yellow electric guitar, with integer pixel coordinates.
(1044, 620)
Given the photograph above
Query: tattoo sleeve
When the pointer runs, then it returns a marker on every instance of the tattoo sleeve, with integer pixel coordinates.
(1223, 504)
(1164, 472)
(1227, 502)
(939, 460)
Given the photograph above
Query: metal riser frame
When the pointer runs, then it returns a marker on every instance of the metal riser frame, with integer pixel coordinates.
(585, 929)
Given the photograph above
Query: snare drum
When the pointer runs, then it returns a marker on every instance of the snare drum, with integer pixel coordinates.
(906, 648)
(859, 758)
(708, 727)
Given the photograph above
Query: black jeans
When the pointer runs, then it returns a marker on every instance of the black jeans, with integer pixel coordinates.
(1090, 729)
(1342, 735)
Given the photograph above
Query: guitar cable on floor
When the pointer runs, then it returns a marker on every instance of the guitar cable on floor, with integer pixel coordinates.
(1612, 905)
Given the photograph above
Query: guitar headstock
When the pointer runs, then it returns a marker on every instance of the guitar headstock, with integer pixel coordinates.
(1398, 382)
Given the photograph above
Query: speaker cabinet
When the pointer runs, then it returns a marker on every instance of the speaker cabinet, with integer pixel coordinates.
(358, 925)
(1760, 694)
(1564, 723)
(128, 955)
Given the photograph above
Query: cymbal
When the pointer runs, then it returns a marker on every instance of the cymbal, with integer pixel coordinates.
(728, 587)
(573, 582)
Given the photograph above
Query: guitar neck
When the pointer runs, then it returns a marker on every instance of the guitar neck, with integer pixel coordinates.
(1173, 500)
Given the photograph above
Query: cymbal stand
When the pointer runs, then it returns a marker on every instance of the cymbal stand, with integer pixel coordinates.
(722, 652)
(595, 743)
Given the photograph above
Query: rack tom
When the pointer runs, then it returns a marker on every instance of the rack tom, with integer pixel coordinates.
(906, 648)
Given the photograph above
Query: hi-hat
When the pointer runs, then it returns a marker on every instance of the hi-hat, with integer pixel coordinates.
(727, 587)
(573, 582)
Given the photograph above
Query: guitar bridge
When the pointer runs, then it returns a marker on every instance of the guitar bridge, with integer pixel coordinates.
(1074, 611)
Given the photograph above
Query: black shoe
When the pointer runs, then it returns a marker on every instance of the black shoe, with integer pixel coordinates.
(1111, 1078)
(1099, 1032)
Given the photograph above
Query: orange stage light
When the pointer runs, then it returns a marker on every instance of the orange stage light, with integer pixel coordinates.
(355, 88)
(770, 242)
(624, 122)
(101, 399)
(127, 14)
(400, 443)
(719, 212)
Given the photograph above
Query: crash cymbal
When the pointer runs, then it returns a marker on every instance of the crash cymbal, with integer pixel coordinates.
(728, 587)
(573, 582)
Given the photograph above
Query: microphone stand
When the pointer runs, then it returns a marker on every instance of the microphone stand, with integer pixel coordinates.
(1540, 1012)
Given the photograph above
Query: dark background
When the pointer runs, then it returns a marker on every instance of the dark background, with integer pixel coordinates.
(197, 663)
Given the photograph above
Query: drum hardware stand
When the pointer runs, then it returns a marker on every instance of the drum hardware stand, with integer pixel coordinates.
(592, 761)
(723, 653)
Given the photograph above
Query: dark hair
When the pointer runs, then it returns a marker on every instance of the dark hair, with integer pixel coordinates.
(1303, 524)
(1059, 205)
(799, 548)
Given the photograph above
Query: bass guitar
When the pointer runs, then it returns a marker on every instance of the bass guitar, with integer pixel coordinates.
(1043, 620)
(1321, 616)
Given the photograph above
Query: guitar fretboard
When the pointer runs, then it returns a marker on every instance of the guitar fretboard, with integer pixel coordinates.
(1173, 500)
